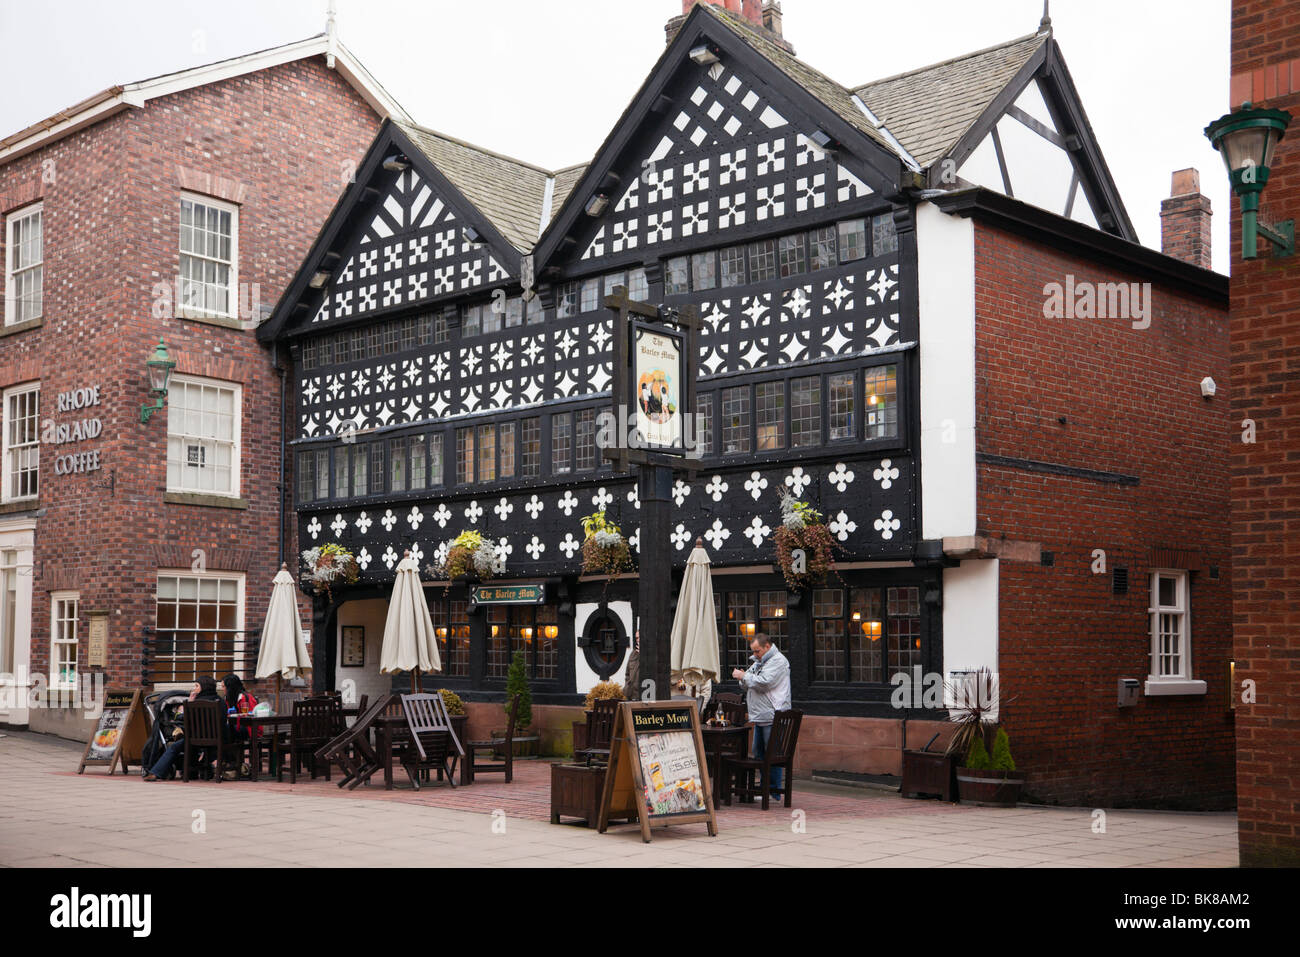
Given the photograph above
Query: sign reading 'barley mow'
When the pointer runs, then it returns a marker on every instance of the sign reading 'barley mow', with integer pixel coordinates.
(508, 594)
(657, 768)
(72, 431)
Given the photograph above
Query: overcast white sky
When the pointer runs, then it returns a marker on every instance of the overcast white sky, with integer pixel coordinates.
(544, 80)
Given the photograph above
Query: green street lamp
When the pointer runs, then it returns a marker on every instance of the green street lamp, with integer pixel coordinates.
(1246, 139)
(160, 368)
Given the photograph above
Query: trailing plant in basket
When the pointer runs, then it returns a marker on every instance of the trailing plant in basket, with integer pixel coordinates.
(469, 553)
(803, 544)
(329, 565)
(517, 684)
(604, 548)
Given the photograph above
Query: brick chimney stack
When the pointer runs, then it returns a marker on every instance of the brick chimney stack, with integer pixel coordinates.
(763, 15)
(1185, 221)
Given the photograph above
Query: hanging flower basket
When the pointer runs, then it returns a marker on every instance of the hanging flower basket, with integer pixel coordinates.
(467, 555)
(803, 544)
(329, 565)
(604, 549)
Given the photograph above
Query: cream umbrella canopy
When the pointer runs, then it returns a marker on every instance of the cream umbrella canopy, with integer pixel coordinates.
(694, 651)
(409, 641)
(283, 652)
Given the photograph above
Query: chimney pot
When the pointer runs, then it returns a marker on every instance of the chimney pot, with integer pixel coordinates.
(1185, 220)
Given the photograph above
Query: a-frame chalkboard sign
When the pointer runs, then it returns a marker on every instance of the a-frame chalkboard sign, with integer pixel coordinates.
(657, 768)
(120, 735)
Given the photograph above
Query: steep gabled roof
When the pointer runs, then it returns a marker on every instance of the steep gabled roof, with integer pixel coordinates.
(838, 98)
(115, 99)
(509, 192)
(929, 109)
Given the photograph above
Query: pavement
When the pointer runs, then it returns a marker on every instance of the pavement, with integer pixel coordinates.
(52, 817)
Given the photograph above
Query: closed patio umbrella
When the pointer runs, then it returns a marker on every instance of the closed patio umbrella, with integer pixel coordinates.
(694, 655)
(284, 649)
(409, 641)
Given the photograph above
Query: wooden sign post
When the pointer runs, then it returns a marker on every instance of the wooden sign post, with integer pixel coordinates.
(657, 768)
(120, 735)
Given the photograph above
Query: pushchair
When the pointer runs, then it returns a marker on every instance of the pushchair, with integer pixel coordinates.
(165, 713)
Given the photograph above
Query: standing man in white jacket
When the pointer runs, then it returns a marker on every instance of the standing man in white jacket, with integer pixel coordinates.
(767, 691)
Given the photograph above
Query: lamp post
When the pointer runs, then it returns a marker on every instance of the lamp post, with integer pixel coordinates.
(160, 367)
(1246, 139)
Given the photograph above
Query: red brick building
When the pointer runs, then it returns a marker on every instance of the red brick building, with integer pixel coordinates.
(176, 209)
(1265, 335)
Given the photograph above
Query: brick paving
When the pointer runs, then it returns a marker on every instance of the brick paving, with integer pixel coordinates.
(51, 816)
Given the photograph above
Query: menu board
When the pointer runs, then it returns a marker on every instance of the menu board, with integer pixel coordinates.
(657, 768)
(119, 735)
(670, 767)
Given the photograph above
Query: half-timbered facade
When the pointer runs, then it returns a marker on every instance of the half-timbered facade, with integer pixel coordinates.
(451, 356)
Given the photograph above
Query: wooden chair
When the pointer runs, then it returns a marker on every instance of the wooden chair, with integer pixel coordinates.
(433, 745)
(730, 706)
(779, 754)
(505, 766)
(314, 722)
(600, 731)
(352, 750)
(206, 735)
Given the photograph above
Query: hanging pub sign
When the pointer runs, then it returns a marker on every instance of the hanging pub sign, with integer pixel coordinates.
(534, 594)
(657, 380)
(657, 768)
(120, 735)
(656, 359)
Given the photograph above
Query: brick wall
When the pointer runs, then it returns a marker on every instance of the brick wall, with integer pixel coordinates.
(1266, 475)
(1098, 394)
(279, 143)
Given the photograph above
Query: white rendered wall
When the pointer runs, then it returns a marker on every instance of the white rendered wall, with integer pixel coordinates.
(946, 280)
(586, 678)
(970, 616)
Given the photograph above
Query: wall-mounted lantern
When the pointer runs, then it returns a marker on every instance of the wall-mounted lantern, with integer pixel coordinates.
(160, 367)
(1246, 139)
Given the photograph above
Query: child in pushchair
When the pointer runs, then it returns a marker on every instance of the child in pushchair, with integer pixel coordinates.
(166, 740)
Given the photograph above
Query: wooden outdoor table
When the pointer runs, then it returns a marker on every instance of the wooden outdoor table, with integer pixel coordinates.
(733, 739)
(273, 721)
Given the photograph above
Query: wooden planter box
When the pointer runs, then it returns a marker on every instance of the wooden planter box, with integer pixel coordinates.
(576, 791)
(929, 774)
(527, 746)
(989, 788)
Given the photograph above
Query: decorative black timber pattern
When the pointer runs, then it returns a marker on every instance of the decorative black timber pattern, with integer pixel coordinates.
(831, 313)
(415, 249)
(867, 503)
(727, 158)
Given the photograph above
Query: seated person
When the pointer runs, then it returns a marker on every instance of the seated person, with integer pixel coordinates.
(205, 689)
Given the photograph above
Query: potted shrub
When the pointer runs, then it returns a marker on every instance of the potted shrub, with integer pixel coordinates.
(988, 781)
(469, 555)
(456, 711)
(603, 691)
(600, 691)
(803, 544)
(329, 565)
(526, 744)
(604, 548)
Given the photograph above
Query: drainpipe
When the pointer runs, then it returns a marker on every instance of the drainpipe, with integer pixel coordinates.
(280, 371)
